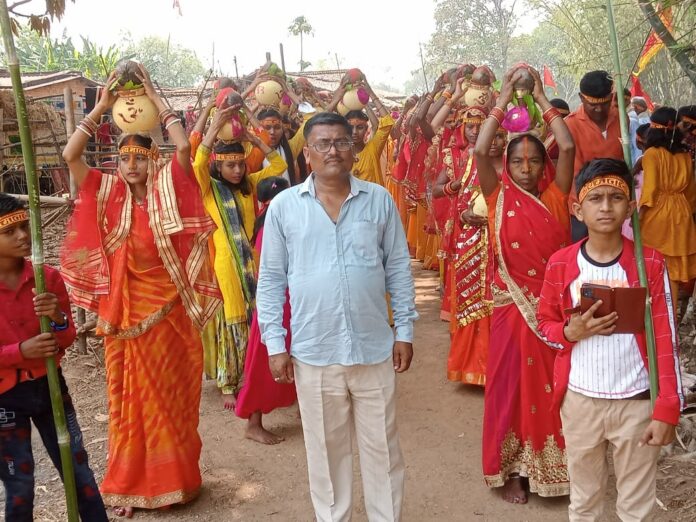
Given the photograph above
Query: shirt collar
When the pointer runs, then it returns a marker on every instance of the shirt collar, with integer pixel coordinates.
(356, 186)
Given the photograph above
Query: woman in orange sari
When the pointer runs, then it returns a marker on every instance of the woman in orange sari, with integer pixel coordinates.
(523, 446)
(136, 253)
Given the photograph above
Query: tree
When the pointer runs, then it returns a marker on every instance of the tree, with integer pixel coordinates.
(299, 27)
(472, 31)
(170, 64)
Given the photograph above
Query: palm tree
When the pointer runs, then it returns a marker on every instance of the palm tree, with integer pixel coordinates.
(299, 27)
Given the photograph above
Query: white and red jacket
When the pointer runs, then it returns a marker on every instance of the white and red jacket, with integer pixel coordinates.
(562, 270)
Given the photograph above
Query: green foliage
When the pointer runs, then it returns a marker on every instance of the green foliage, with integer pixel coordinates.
(39, 53)
(170, 64)
(571, 37)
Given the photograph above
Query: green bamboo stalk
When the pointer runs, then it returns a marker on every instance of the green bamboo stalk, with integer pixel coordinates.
(38, 259)
(637, 238)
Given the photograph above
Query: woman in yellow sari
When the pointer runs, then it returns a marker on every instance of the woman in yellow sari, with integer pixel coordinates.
(229, 197)
(136, 254)
(668, 199)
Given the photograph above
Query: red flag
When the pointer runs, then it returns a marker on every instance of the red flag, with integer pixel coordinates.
(653, 44)
(637, 90)
(548, 80)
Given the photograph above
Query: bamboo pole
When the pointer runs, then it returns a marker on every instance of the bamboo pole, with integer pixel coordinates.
(62, 433)
(637, 239)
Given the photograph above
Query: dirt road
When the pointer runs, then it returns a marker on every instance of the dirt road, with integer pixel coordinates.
(440, 427)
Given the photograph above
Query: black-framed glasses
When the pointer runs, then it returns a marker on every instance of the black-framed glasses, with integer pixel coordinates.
(324, 146)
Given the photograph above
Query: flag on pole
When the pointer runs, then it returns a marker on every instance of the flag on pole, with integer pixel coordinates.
(549, 81)
(637, 90)
(177, 6)
(653, 44)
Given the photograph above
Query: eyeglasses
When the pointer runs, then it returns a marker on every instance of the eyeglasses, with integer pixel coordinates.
(323, 147)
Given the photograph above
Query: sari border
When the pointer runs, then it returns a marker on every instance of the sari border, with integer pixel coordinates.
(526, 307)
(137, 501)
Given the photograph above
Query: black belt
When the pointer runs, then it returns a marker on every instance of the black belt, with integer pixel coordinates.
(642, 396)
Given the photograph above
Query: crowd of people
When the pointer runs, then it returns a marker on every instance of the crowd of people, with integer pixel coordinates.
(279, 264)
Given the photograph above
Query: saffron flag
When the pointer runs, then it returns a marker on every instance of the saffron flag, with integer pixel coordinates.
(654, 44)
(637, 90)
(548, 80)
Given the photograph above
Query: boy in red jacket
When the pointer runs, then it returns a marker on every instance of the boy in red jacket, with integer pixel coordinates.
(24, 395)
(601, 378)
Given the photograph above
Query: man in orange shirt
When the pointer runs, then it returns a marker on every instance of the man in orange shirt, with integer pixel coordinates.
(595, 129)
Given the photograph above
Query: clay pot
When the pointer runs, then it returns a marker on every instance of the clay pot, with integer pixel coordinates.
(356, 99)
(269, 92)
(342, 109)
(134, 112)
(479, 206)
(477, 95)
(233, 130)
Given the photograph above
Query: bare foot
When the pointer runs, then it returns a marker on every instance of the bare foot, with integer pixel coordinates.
(123, 511)
(256, 431)
(229, 402)
(514, 490)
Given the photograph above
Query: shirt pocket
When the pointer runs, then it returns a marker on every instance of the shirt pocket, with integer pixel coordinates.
(366, 239)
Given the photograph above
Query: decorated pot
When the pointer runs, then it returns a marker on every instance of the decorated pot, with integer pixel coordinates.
(134, 111)
(356, 99)
(342, 109)
(477, 95)
(269, 92)
(479, 206)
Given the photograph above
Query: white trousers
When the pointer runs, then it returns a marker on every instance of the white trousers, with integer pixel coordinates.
(332, 399)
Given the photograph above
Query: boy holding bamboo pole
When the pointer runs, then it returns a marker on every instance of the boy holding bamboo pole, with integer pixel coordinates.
(24, 394)
(601, 378)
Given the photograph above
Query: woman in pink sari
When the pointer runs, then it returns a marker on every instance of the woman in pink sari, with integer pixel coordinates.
(523, 446)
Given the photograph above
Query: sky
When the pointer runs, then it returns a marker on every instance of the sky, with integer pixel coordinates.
(357, 31)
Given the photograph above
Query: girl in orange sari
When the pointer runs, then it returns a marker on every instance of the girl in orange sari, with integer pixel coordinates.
(523, 446)
(136, 253)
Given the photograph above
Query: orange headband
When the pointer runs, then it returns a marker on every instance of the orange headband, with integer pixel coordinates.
(271, 121)
(611, 180)
(232, 156)
(356, 121)
(18, 216)
(563, 112)
(592, 99)
(137, 149)
(689, 119)
(654, 125)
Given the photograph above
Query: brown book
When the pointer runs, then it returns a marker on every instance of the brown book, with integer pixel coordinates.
(628, 303)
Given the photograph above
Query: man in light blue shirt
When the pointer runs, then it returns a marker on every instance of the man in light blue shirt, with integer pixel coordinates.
(336, 243)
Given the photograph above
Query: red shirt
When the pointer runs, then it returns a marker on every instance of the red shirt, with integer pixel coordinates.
(18, 322)
(555, 297)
